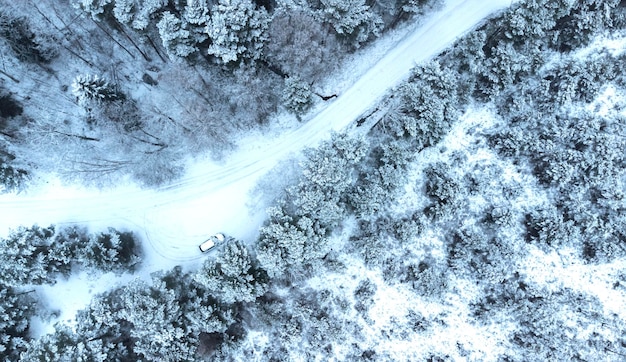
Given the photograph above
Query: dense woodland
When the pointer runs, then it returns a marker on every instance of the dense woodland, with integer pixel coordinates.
(459, 232)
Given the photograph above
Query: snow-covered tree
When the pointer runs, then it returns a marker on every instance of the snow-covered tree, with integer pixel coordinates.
(328, 172)
(24, 257)
(11, 178)
(110, 251)
(197, 12)
(234, 276)
(202, 312)
(16, 309)
(95, 8)
(94, 88)
(299, 45)
(197, 16)
(176, 39)
(155, 315)
(352, 19)
(297, 95)
(238, 30)
(138, 13)
(288, 244)
(420, 7)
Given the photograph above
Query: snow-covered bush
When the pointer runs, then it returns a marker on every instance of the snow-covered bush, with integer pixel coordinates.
(26, 45)
(443, 189)
(428, 278)
(488, 258)
(364, 297)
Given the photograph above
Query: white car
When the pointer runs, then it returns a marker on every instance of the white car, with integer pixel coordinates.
(210, 243)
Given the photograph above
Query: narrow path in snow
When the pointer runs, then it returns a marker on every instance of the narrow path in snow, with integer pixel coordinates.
(177, 217)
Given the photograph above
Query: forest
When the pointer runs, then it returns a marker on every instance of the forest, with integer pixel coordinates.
(85, 81)
(482, 217)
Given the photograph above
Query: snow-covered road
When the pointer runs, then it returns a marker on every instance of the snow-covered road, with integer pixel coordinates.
(215, 197)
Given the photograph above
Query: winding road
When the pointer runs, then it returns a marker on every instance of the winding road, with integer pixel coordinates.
(217, 197)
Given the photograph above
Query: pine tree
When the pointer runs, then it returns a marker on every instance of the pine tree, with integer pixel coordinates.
(110, 251)
(352, 19)
(175, 37)
(94, 88)
(289, 244)
(237, 30)
(197, 12)
(234, 276)
(16, 309)
(297, 95)
(24, 257)
(138, 13)
(95, 8)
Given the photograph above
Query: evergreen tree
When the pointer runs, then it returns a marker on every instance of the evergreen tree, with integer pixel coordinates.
(110, 251)
(234, 276)
(197, 12)
(95, 8)
(352, 19)
(94, 88)
(288, 243)
(297, 95)
(138, 13)
(16, 309)
(237, 30)
(176, 39)
(24, 257)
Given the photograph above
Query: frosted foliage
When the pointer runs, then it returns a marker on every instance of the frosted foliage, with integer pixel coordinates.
(352, 18)
(152, 310)
(176, 39)
(420, 6)
(287, 242)
(137, 13)
(123, 10)
(300, 45)
(16, 308)
(233, 277)
(24, 258)
(197, 12)
(92, 87)
(95, 8)
(237, 30)
(297, 95)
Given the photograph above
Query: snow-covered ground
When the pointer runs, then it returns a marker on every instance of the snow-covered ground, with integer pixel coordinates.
(216, 197)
